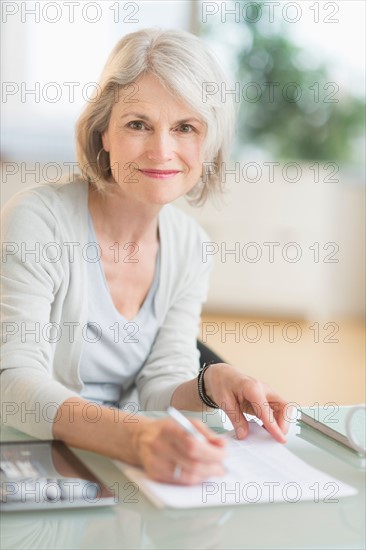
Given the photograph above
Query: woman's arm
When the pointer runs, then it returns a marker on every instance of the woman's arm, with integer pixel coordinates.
(156, 445)
(33, 287)
(100, 429)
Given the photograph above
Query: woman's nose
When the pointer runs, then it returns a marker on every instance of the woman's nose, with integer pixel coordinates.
(160, 146)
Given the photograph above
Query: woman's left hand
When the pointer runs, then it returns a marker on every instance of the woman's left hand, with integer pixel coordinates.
(235, 393)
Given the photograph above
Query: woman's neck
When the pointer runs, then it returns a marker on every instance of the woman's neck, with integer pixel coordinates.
(118, 218)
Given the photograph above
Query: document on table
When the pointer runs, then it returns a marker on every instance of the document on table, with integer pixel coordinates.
(259, 470)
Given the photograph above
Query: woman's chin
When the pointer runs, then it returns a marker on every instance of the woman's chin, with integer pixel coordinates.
(162, 196)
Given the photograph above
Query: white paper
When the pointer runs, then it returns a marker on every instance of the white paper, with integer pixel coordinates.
(260, 470)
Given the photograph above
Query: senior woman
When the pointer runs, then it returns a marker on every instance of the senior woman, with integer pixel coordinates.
(103, 280)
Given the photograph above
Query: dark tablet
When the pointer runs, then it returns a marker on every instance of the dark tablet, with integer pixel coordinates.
(46, 475)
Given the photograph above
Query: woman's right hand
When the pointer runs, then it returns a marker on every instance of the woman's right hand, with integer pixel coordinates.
(164, 450)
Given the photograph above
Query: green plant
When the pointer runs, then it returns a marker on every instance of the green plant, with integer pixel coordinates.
(290, 105)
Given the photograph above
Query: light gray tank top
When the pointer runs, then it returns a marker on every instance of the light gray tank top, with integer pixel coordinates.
(115, 349)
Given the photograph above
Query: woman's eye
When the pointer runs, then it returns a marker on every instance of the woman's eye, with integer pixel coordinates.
(186, 128)
(136, 125)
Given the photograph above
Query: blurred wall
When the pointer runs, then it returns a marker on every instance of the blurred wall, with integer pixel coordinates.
(282, 248)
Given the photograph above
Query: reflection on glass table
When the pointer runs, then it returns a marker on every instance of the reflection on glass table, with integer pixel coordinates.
(43, 474)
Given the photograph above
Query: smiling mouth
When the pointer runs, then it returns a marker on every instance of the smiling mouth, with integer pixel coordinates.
(159, 174)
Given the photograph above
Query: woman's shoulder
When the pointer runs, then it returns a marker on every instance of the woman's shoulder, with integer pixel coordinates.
(43, 205)
(50, 194)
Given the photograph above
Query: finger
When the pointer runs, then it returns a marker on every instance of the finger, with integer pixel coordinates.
(182, 473)
(169, 445)
(270, 423)
(203, 451)
(196, 472)
(210, 450)
(282, 412)
(283, 415)
(238, 420)
(195, 476)
(265, 412)
(210, 435)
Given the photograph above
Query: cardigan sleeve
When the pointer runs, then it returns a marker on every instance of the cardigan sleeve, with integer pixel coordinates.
(174, 357)
(30, 281)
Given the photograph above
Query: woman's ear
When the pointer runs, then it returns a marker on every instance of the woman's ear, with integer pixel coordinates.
(105, 140)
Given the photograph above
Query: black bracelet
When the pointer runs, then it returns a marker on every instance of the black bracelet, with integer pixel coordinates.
(201, 387)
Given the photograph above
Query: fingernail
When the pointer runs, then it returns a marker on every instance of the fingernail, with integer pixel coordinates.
(240, 433)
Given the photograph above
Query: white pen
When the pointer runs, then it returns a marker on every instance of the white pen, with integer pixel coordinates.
(185, 424)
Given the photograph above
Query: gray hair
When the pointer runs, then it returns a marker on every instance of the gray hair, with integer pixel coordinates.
(185, 66)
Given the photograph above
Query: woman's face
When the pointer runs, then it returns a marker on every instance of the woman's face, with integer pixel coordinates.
(155, 143)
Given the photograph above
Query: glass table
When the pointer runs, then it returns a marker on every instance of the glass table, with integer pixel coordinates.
(136, 523)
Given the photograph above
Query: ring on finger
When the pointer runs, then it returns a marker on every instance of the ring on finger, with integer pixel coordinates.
(177, 472)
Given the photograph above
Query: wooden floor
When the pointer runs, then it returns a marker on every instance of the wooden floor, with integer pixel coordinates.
(322, 364)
